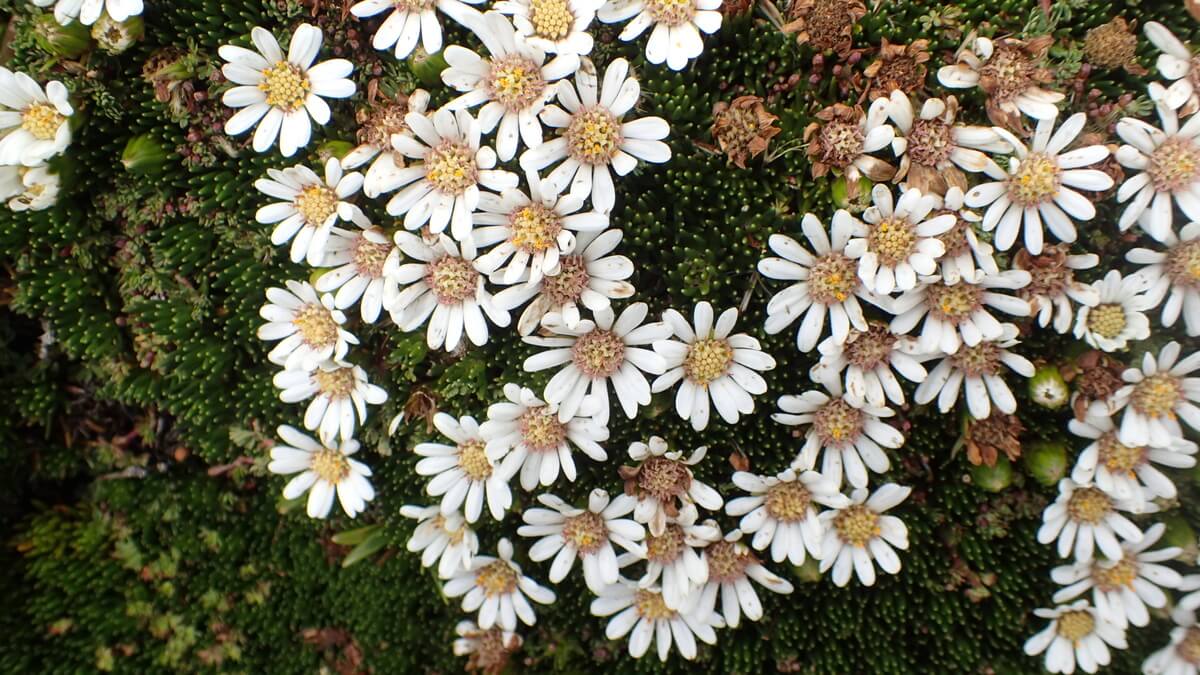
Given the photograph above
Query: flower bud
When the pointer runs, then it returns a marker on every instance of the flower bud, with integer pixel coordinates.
(143, 153)
(115, 37)
(993, 478)
(809, 572)
(1048, 389)
(428, 67)
(68, 41)
(1046, 462)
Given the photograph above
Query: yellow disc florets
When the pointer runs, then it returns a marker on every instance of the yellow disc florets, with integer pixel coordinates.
(369, 257)
(473, 460)
(893, 240)
(534, 228)
(1076, 625)
(838, 423)
(42, 121)
(450, 167)
(1107, 320)
(497, 578)
(727, 561)
(1183, 264)
(285, 85)
(789, 501)
(593, 136)
(833, 279)
(857, 525)
(316, 203)
(451, 279)
(707, 360)
(1174, 165)
(1089, 505)
(1157, 395)
(515, 81)
(316, 326)
(1035, 181)
(1117, 457)
(337, 383)
(551, 19)
(330, 465)
(1116, 575)
(540, 429)
(651, 606)
(598, 353)
(586, 532)
(953, 303)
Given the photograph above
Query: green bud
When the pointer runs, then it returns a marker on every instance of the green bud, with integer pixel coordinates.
(1046, 462)
(809, 572)
(1179, 533)
(1048, 389)
(428, 67)
(143, 154)
(335, 148)
(840, 193)
(993, 478)
(115, 37)
(68, 41)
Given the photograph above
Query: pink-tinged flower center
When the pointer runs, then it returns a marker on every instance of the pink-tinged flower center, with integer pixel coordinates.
(1035, 181)
(651, 606)
(789, 501)
(664, 479)
(857, 525)
(871, 348)
(316, 326)
(833, 279)
(451, 279)
(930, 142)
(841, 143)
(569, 283)
(1174, 165)
(1089, 505)
(369, 257)
(496, 578)
(982, 359)
(42, 121)
(451, 168)
(540, 429)
(473, 460)
(586, 532)
(955, 239)
(330, 465)
(515, 81)
(598, 353)
(893, 240)
(534, 228)
(727, 561)
(316, 203)
(336, 383)
(1076, 625)
(667, 548)
(671, 12)
(593, 136)
(1107, 320)
(953, 303)
(1157, 395)
(1183, 264)
(285, 85)
(1007, 74)
(551, 19)
(707, 360)
(1117, 457)
(837, 423)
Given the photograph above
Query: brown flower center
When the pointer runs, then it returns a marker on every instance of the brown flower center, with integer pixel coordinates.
(376, 125)
(1107, 320)
(982, 359)
(736, 128)
(497, 578)
(1174, 165)
(569, 283)
(930, 142)
(671, 12)
(316, 326)
(1110, 45)
(1049, 274)
(515, 81)
(473, 460)
(1189, 646)
(871, 348)
(492, 649)
(727, 561)
(1089, 505)
(336, 383)
(893, 240)
(651, 606)
(1007, 74)
(1075, 625)
(285, 85)
(1183, 264)
(330, 465)
(586, 532)
(417, 6)
(540, 429)
(1035, 181)
(593, 136)
(316, 203)
(841, 143)
(833, 278)
(788, 501)
(707, 360)
(827, 22)
(42, 121)
(953, 303)
(857, 525)
(664, 479)
(1157, 395)
(551, 19)
(667, 548)
(535, 228)
(1115, 576)
(955, 239)
(369, 257)
(838, 423)
(598, 353)
(450, 168)
(451, 279)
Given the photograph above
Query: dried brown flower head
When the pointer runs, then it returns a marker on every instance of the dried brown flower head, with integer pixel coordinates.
(379, 120)
(1113, 45)
(987, 438)
(661, 478)
(735, 8)
(827, 25)
(743, 128)
(1011, 72)
(1096, 377)
(491, 649)
(839, 143)
(899, 67)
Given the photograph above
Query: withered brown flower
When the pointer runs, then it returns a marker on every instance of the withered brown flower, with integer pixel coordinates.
(378, 121)
(1113, 45)
(1095, 377)
(1052, 283)
(934, 151)
(827, 25)
(899, 67)
(1010, 72)
(987, 438)
(488, 651)
(840, 140)
(743, 128)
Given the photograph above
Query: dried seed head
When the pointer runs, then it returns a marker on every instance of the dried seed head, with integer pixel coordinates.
(1112, 45)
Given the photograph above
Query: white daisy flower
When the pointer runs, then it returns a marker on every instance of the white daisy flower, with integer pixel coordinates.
(1005, 68)
(308, 326)
(1117, 317)
(90, 11)
(827, 283)
(363, 266)
(536, 231)
(443, 188)
(465, 472)
(553, 26)
(860, 535)
(841, 141)
(852, 434)
(514, 82)
(566, 533)
(1077, 634)
(1174, 274)
(1052, 284)
(1126, 472)
(443, 539)
(1181, 656)
(486, 650)
(376, 125)
(675, 38)
(1177, 64)
(496, 587)
(1123, 590)
(1156, 396)
(280, 93)
(673, 560)
(965, 251)
(977, 370)
(1085, 517)
(867, 358)
(594, 138)
(413, 21)
(587, 276)
(29, 188)
(339, 392)
(310, 207)
(708, 362)
(1037, 190)
(322, 471)
(664, 484)
(442, 288)
(34, 123)
(534, 443)
(644, 612)
(897, 242)
(593, 354)
(781, 512)
(731, 568)
(956, 314)
(1168, 162)
(933, 150)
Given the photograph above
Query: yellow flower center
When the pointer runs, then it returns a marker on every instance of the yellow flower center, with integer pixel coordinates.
(568, 284)
(1157, 395)
(1111, 577)
(837, 423)
(892, 240)
(586, 532)
(1189, 646)
(451, 279)
(42, 121)
(551, 19)
(667, 548)
(871, 348)
(330, 465)
(1089, 505)
(285, 85)
(982, 359)
(788, 502)
(535, 228)
(316, 203)
(1174, 165)
(496, 578)
(1035, 181)
(1107, 320)
(450, 168)
(857, 525)
(663, 478)
(1076, 625)
(707, 360)
(593, 136)
(1118, 457)
(952, 303)
(474, 461)
(727, 561)
(833, 279)
(1183, 264)
(316, 326)
(369, 257)
(671, 12)
(336, 383)
(598, 353)
(650, 605)
(540, 429)
(515, 81)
